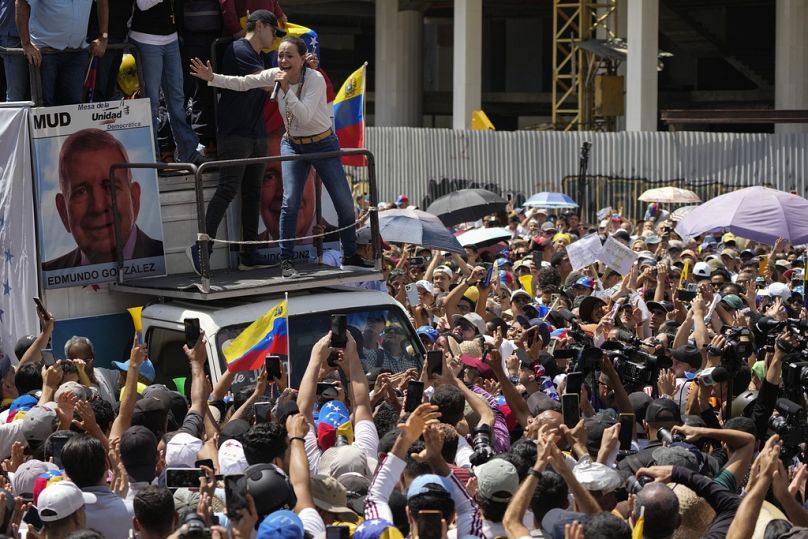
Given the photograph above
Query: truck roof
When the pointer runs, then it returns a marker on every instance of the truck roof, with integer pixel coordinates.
(234, 283)
(226, 312)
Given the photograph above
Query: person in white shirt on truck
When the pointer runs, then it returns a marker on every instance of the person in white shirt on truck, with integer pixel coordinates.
(307, 117)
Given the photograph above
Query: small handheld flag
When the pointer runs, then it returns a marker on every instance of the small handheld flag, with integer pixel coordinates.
(267, 335)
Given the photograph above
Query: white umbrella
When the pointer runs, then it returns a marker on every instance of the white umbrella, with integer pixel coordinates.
(484, 236)
(679, 213)
(670, 195)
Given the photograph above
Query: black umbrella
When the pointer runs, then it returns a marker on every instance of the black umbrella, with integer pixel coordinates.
(466, 205)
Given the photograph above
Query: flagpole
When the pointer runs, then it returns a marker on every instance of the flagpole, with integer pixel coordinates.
(364, 99)
(288, 343)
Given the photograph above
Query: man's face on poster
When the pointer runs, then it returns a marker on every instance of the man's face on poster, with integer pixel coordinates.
(85, 202)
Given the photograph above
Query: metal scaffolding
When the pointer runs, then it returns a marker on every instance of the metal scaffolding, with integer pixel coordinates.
(575, 69)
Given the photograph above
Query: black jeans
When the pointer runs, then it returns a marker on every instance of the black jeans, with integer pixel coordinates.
(249, 178)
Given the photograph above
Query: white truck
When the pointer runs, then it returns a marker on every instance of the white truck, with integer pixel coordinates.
(309, 310)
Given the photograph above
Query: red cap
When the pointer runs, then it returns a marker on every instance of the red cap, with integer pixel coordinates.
(477, 363)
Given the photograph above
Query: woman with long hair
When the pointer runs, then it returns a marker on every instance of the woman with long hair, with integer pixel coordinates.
(307, 118)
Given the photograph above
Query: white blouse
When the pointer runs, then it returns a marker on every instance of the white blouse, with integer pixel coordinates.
(311, 114)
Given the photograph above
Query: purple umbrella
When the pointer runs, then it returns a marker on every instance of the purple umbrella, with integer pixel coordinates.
(756, 213)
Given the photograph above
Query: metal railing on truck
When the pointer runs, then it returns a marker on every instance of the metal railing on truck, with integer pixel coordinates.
(35, 72)
(204, 284)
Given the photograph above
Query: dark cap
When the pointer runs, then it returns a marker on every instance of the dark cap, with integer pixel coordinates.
(152, 414)
(267, 17)
(663, 411)
(595, 426)
(234, 430)
(139, 452)
(639, 403)
(688, 354)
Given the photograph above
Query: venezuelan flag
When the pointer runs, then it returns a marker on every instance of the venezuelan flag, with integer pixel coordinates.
(349, 115)
(267, 335)
(309, 36)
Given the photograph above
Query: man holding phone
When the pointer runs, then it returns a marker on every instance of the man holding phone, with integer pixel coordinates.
(366, 437)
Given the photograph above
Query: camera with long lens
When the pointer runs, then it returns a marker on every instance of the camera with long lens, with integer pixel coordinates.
(791, 425)
(635, 484)
(195, 527)
(635, 367)
(771, 328)
(583, 353)
(481, 442)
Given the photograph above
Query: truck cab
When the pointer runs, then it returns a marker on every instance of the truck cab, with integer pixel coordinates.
(369, 314)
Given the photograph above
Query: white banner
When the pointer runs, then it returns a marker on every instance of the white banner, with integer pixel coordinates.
(18, 270)
(617, 256)
(73, 148)
(584, 252)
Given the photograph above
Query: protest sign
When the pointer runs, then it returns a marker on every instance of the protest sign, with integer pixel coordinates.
(617, 256)
(584, 252)
(73, 148)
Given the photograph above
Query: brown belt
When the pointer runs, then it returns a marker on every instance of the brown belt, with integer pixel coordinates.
(312, 139)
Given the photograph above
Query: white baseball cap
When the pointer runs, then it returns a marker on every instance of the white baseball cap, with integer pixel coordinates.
(779, 290)
(701, 269)
(62, 499)
(181, 450)
(426, 285)
(444, 269)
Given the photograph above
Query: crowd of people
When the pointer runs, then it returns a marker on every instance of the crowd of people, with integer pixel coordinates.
(667, 402)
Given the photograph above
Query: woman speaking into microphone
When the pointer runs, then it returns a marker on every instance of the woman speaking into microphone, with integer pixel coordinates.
(306, 115)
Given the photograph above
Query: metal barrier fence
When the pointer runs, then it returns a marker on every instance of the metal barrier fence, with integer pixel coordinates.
(428, 163)
(35, 73)
(202, 236)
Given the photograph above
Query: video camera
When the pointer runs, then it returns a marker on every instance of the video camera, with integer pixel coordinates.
(792, 428)
(795, 372)
(739, 346)
(635, 367)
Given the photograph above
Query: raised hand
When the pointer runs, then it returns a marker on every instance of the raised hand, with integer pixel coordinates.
(201, 70)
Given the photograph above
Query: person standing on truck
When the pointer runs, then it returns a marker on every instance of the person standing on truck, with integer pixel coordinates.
(58, 26)
(242, 134)
(154, 32)
(85, 206)
(307, 118)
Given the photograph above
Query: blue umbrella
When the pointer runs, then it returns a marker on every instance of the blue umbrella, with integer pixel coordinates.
(550, 200)
(417, 227)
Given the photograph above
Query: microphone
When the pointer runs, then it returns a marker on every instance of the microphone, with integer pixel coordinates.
(714, 375)
(275, 89)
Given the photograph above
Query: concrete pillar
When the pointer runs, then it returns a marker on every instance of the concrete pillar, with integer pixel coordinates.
(399, 66)
(641, 71)
(468, 30)
(791, 61)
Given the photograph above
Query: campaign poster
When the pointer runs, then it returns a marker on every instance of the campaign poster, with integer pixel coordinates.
(73, 147)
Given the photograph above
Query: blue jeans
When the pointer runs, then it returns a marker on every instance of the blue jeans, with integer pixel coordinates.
(162, 68)
(16, 67)
(333, 177)
(249, 178)
(63, 76)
